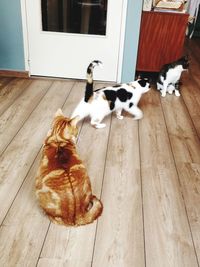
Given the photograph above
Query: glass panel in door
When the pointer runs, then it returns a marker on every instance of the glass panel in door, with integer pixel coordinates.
(74, 16)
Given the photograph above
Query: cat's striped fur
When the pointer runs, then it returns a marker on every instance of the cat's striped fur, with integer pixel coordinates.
(63, 187)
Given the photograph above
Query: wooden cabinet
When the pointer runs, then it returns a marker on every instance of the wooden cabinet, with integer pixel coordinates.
(161, 39)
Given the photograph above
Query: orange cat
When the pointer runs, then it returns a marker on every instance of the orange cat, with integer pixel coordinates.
(62, 184)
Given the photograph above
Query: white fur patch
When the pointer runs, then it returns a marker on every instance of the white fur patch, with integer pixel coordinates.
(172, 77)
(99, 106)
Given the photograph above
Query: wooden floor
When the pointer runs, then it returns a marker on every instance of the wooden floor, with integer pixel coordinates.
(147, 174)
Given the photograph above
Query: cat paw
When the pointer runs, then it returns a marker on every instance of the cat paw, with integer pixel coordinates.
(177, 93)
(163, 94)
(170, 92)
(100, 125)
(120, 117)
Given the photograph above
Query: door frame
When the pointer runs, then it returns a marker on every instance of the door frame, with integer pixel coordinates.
(121, 44)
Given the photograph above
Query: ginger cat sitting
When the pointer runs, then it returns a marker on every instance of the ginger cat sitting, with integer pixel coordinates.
(63, 187)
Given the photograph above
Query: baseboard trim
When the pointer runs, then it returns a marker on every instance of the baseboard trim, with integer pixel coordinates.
(13, 73)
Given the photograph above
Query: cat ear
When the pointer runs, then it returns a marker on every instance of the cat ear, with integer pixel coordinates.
(75, 120)
(58, 113)
(138, 76)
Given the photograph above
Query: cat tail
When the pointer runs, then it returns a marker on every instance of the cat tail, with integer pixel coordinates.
(83, 108)
(93, 213)
(89, 76)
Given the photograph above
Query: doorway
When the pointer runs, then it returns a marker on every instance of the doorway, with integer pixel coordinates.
(65, 36)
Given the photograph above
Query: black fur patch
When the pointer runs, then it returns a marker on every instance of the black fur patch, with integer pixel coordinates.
(163, 73)
(97, 61)
(142, 82)
(88, 91)
(111, 96)
(159, 80)
(130, 104)
(123, 95)
(89, 70)
(112, 105)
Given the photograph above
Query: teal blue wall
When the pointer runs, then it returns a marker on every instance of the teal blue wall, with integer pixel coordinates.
(134, 10)
(11, 37)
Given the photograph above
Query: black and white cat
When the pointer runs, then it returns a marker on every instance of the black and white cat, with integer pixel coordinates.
(169, 76)
(101, 102)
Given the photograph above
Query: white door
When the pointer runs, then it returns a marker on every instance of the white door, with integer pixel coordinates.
(65, 35)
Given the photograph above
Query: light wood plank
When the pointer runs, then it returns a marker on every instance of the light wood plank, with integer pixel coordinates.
(51, 263)
(25, 221)
(11, 91)
(186, 149)
(191, 95)
(74, 246)
(183, 135)
(191, 83)
(24, 229)
(119, 240)
(15, 116)
(189, 174)
(18, 157)
(168, 240)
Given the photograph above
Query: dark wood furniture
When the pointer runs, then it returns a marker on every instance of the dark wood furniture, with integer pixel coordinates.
(161, 39)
